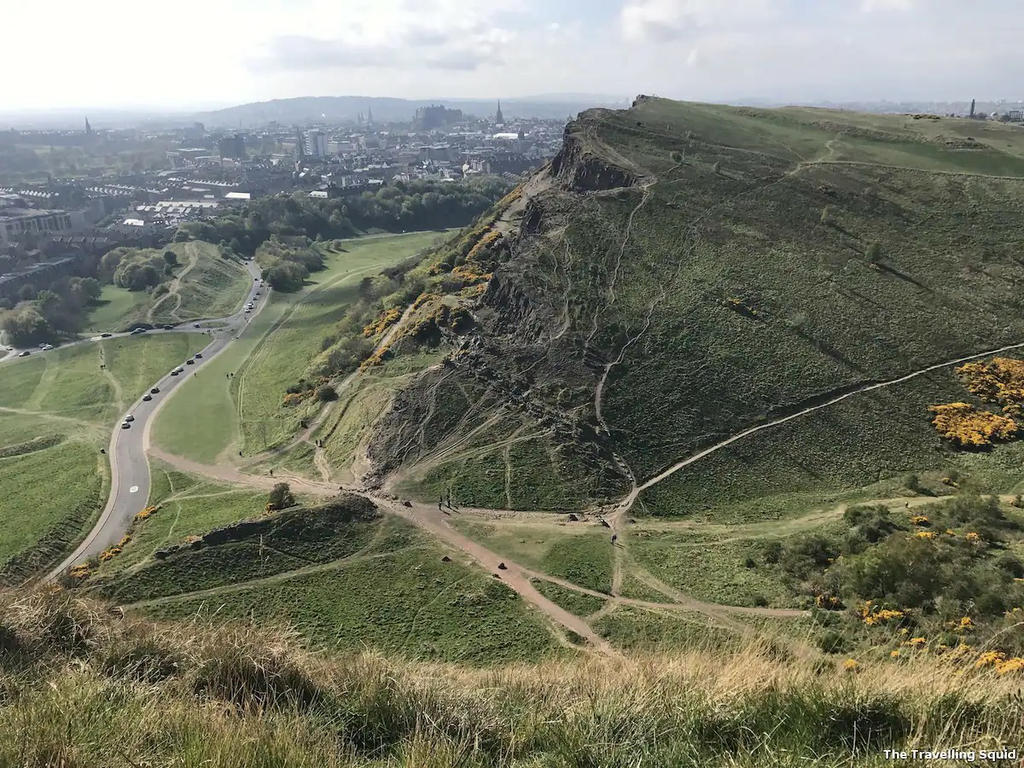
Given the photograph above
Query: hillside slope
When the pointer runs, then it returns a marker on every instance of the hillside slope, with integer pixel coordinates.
(681, 272)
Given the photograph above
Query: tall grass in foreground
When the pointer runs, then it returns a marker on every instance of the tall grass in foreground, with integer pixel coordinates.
(80, 686)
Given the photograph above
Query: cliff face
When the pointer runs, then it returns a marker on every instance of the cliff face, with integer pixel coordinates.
(680, 272)
(581, 169)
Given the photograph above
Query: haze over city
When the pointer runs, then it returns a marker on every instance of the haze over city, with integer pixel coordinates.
(204, 54)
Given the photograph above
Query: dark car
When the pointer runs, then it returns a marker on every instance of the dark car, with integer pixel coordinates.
(175, 372)
(167, 327)
(106, 335)
(25, 353)
(125, 425)
(147, 397)
(154, 391)
(190, 362)
(199, 355)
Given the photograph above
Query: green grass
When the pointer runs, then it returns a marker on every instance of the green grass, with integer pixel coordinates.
(205, 419)
(49, 498)
(712, 570)
(116, 308)
(204, 285)
(54, 494)
(287, 548)
(572, 601)
(402, 599)
(639, 629)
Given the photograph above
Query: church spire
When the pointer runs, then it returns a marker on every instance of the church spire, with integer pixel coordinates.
(498, 117)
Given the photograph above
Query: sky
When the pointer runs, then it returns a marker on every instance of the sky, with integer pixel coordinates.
(191, 54)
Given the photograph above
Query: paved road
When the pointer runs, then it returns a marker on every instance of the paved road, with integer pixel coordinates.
(129, 469)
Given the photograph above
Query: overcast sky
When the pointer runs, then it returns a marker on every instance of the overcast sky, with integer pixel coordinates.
(197, 53)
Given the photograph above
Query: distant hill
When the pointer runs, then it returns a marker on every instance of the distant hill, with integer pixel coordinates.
(341, 108)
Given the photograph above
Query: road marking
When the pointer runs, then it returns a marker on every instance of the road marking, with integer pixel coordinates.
(133, 489)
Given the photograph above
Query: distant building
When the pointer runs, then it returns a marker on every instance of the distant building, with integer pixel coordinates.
(15, 223)
(232, 147)
(314, 144)
(431, 118)
(498, 117)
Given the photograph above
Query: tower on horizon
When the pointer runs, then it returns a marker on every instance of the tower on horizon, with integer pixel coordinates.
(498, 117)
(369, 114)
(972, 107)
(88, 128)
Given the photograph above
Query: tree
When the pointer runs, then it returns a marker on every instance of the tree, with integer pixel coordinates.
(286, 276)
(281, 497)
(171, 258)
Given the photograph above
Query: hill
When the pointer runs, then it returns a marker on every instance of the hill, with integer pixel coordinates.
(315, 109)
(682, 272)
(85, 686)
(201, 283)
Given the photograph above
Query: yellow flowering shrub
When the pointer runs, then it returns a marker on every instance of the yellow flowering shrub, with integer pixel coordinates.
(920, 520)
(80, 571)
(916, 642)
(386, 320)
(1000, 380)
(1015, 664)
(874, 616)
(147, 512)
(851, 665)
(989, 659)
(894, 654)
(292, 398)
(925, 535)
(968, 426)
(484, 242)
(972, 536)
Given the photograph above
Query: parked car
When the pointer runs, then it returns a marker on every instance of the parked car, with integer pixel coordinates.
(46, 347)
(137, 331)
(175, 372)
(125, 425)
(147, 397)
(198, 355)
(167, 327)
(129, 417)
(106, 335)
(190, 362)
(154, 391)
(24, 353)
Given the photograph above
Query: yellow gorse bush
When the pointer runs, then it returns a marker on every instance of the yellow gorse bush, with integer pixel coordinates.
(968, 426)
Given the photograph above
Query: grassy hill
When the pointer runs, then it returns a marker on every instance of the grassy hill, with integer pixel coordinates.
(203, 284)
(84, 686)
(56, 413)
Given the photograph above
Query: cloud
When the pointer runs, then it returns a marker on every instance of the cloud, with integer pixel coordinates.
(660, 21)
(886, 5)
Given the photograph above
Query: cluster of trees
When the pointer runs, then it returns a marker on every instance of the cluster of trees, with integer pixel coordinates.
(286, 265)
(57, 310)
(396, 207)
(952, 560)
(137, 270)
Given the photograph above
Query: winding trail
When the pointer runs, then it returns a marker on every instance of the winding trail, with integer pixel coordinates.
(626, 504)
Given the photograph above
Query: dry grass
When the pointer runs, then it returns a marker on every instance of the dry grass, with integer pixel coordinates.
(80, 685)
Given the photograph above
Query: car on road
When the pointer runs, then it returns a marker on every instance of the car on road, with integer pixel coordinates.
(154, 391)
(137, 331)
(198, 355)
(24, 353)
(195, 325)
(126, 425)
(167, 327)
(147, 397)
(175, 372)
(106, 335)
(190, 362)
(46, 347)
(129, 417)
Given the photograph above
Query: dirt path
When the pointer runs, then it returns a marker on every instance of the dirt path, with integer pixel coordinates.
(626, 504)
(423, 516)
(174, 289)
